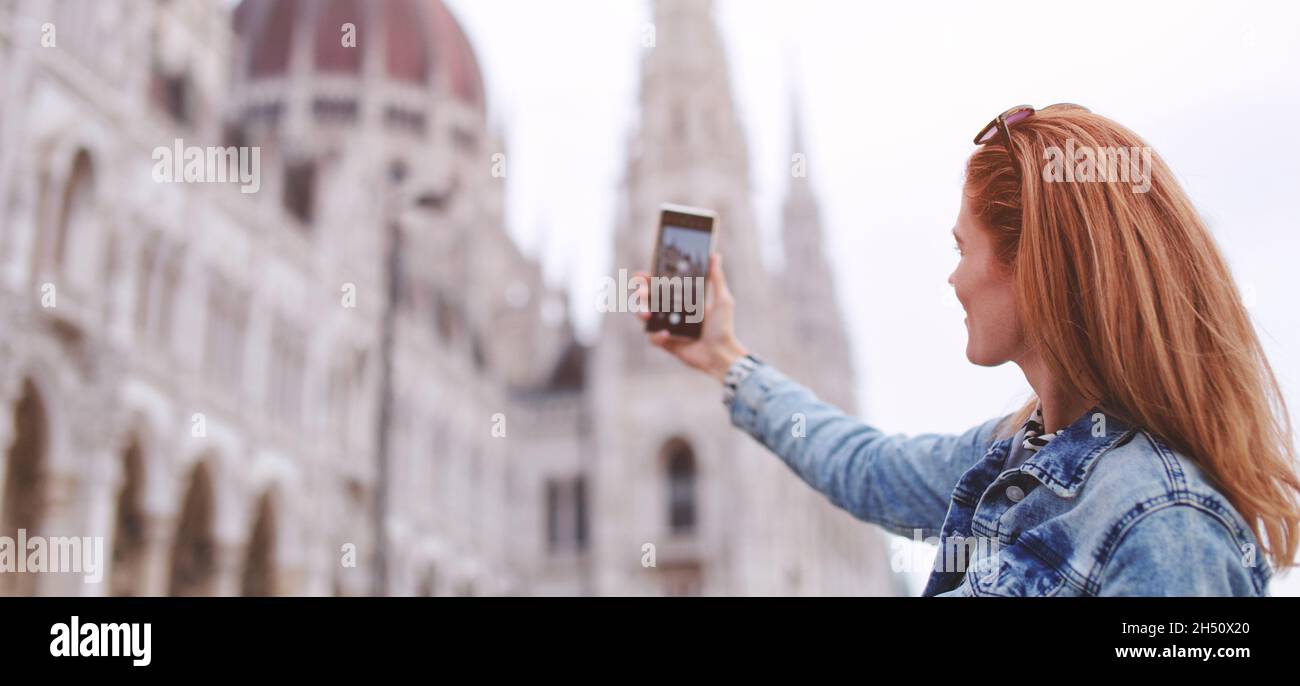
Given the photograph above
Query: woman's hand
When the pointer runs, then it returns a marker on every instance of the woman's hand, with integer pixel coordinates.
(717, 346)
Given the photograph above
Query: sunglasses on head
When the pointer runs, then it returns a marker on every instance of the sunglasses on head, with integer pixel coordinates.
(1003, 122)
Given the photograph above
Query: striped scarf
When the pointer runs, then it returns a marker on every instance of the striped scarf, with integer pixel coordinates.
(1034, 438)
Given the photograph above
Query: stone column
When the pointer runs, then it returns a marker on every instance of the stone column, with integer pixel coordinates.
(60, 518)
(7, 431)
(155, 567)
(98, 521)
(10, 388)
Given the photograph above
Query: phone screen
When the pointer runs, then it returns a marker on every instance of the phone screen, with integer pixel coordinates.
(680, 271)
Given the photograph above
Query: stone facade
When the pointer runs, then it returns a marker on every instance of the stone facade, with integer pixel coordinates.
(233, 389)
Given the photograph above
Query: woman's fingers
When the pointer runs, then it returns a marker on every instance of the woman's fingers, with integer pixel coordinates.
(661, 339)
(701, 353)
(673, 346)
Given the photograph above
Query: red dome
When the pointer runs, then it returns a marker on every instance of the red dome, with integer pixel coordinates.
(421, 41)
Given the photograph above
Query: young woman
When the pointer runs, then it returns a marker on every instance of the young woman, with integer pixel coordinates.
(1155, 456)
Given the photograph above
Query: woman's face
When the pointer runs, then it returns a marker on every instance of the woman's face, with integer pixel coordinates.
(984, 287)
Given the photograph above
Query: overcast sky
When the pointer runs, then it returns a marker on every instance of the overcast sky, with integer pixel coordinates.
(892, 94)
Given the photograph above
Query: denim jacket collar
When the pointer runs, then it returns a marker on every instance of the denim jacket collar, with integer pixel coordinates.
(1064, 464)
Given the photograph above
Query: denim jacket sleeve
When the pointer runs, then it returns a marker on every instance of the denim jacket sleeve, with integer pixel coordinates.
(901, 483)
(1179, 550)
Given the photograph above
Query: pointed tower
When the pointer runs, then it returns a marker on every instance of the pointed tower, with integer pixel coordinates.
(819, 353)
(667, 473)
(674, 482)
(690, 150)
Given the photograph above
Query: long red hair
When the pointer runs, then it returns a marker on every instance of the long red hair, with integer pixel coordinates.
(1132, 305)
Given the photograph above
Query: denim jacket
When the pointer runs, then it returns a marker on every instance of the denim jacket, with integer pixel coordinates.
(1105, 509)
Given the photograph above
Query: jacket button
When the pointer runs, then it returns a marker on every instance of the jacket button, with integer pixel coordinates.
(1015, 493)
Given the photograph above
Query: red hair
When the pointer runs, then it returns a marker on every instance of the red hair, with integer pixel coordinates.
(1147, 320)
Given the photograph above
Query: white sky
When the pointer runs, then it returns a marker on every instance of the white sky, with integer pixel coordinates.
(892, 94)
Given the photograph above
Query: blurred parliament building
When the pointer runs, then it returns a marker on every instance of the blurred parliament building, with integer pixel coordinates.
(352, 381)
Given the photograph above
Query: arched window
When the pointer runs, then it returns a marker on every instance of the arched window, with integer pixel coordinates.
(194, 549)
(127, 571)
(171, 283)
(566, 514)
(144, 286)
(299, 192)
(288, 368)
(76, 212)
(24, 490)
(428, 583)
(158, 280)
(259, 562)
(224, 342)
(679, 461)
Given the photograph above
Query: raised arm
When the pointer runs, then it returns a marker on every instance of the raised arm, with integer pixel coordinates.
(901, 483)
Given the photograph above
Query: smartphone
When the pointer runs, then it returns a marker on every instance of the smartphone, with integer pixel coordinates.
(680, 271)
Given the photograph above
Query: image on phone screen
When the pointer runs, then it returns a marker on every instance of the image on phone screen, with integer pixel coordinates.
(680, 268)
